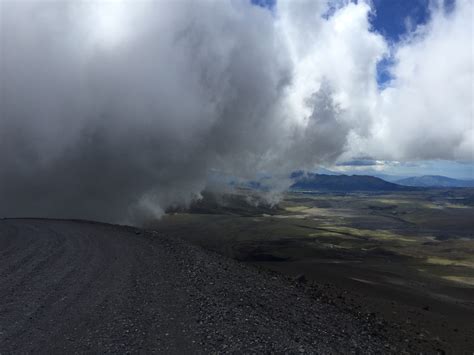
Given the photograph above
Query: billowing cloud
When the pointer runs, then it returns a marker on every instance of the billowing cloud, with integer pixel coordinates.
(427, 112)
(115, 110)
(108, 113)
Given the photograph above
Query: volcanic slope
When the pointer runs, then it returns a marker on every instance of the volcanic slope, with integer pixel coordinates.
(75, 286)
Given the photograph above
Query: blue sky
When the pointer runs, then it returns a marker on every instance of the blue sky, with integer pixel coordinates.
(391, 17)
(394, 20)
(264, 3)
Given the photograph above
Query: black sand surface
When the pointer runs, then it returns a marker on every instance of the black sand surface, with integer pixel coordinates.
(72, 286)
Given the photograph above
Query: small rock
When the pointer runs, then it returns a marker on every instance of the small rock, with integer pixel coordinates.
(301, 278)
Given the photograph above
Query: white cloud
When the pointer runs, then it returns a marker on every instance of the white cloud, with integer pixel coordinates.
(107, 105)
(427, 112)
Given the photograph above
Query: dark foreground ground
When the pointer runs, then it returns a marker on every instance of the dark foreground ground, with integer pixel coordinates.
(71, 286)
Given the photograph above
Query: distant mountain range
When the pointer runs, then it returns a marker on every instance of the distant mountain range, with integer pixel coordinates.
(342, 183)
(326, 180)
(386, 177)
(434, 181)
(413, 181)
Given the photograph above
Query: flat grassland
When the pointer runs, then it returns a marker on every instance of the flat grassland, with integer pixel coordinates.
(408, 257)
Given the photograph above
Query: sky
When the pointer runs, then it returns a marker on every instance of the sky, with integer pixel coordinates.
(117, 109)
(392, 19)
(397, 21)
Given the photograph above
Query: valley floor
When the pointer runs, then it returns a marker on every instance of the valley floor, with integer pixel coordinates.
(407, 258)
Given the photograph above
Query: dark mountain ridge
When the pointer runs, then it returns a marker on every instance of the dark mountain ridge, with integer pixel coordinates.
(343, 183)
(434, 181)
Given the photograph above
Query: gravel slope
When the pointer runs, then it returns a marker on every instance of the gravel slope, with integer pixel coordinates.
(88, 287)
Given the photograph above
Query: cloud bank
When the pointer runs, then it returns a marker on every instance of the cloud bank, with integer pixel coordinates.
(116, 109)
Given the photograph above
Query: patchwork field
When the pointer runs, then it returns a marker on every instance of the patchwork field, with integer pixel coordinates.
(407, 256)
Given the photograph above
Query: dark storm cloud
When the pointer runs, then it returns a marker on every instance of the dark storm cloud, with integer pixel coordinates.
(91, 128)
(361, 161)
